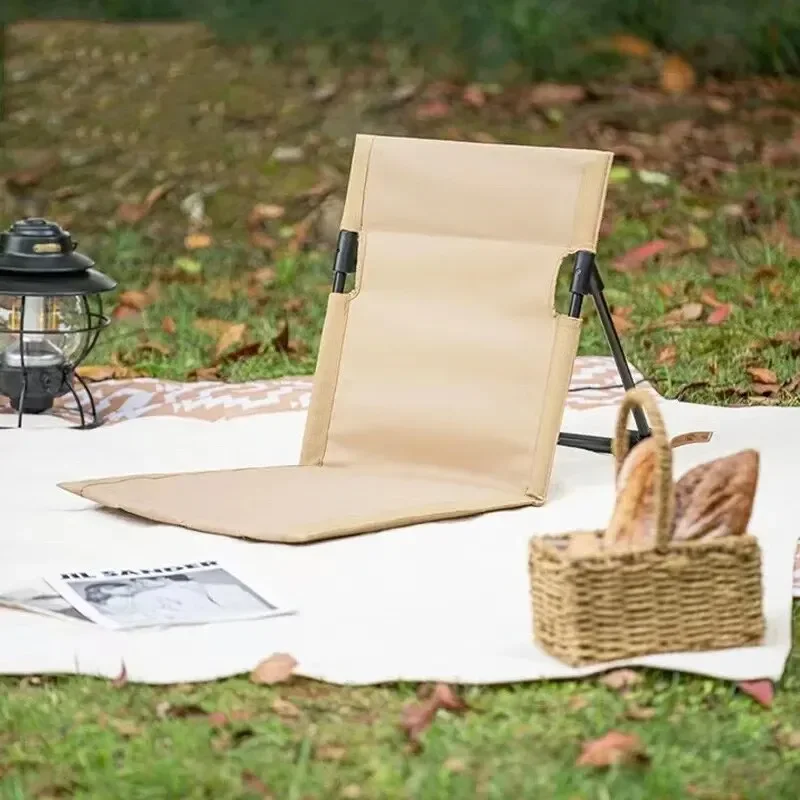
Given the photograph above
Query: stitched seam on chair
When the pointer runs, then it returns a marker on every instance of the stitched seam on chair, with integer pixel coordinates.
(362, 257)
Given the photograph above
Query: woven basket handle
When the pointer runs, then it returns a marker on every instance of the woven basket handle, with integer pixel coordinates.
(664, 499)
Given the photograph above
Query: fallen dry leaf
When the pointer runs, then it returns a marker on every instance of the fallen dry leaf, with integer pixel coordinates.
(197, 241)
(474, 96)
(278, 668)
(620, 679)
(134, 299)
(294, 304)
(788, 740)
(635, 259)
(631, 46)
(26, 178)
(765, 273)
(577, 703)
(245, 351)
(264, 212)
(556, 94)
(696, 238)
(762, 375)
(612, 749)
(166, 709)
(331, 752)
(281, 340)
(168, 325)
(262, 240)
(217, 719)
(126, 727)
(621, 322)
(762, 691)
(285, 708)
(121, 679)
(667, 355)
(204, 374)
(719, 267)
(416, 717)
(432, 109)
(132, 213)
(639, 713)
(212, 327)
(691, 312)
(719, 314)
(677, 75)
(231, 336)
(254, 784)
(765, 389)
(103, 372)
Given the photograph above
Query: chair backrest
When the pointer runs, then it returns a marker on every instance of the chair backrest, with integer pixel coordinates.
(448, 356)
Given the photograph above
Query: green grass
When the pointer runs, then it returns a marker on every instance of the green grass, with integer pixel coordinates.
(86, 738)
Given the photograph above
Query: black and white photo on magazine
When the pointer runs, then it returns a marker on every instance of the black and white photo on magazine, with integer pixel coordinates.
(196, 593)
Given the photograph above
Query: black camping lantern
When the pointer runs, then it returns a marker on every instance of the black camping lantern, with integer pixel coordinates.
(47, 324)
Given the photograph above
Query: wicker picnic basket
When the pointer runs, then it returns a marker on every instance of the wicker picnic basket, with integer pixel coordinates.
(594, 605)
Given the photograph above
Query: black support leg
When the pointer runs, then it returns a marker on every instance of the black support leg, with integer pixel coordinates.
(586, 280)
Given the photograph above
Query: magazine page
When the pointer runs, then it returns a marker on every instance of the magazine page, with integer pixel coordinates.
(188, 594)
(40, 598)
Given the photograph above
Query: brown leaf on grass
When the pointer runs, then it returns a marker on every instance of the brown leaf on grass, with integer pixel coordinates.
(211, 327)
(577, 703)
(204, 374)
(765, 389)
(432, 109)
(639, 713)
(285, 708)
(762, 691)
(264, 212)
(691, 312)
(121, 679)
(474, 96)
(294, 304)
(134, 299)
(665, 290)
(416, 717)
(166, 709)
(278, 668)
(197, 241)
(254, 784)
(620, 679)
(148, 346)
(677, 75)
(667, 355)
(788, 740)
(230, 337)
(635, 259)
(262, 240)
(612, 749)
(126, 727)
(281, 339)
(330, 752)
(168, 325)
(765, 273)
(719, 267)
(627, 45)
(762, 375)
(547, 95)
(720, 314)
(696, 238)
(709, 297)
(780, 235)
(621, 322)
(132, 213)
(31, 176)
(103, 372)
(245, 351)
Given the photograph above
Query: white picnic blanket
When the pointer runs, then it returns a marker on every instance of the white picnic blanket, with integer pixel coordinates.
(439, 601)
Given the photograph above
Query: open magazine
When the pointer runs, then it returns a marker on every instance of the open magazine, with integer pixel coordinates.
(188, 594)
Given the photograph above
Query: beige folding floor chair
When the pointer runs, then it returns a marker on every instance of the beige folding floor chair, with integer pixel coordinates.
(442, 375)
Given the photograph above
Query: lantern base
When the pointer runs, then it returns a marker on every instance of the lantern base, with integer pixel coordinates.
(32, 405)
